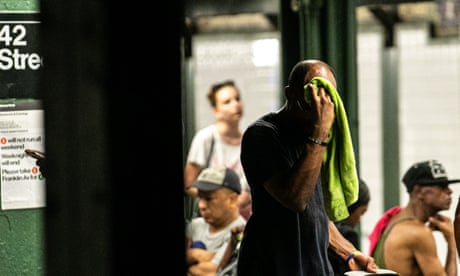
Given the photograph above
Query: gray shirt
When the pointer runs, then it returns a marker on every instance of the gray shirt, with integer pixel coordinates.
(198, 230)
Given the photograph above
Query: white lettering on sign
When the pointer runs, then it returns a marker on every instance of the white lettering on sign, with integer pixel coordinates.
(11, 57)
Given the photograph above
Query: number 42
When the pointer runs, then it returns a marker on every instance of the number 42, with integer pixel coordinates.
(18, 31)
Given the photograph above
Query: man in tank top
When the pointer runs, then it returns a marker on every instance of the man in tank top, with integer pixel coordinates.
(407, 244)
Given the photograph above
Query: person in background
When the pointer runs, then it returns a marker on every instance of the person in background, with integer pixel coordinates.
(406, 244)
(282, 155)
(211, 239)
(219, 144)
(347, 227)
(457, 226)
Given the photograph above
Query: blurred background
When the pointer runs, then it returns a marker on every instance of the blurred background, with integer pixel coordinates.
(408, 83)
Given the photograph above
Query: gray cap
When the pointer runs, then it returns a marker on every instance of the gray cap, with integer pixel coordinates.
(211, 179)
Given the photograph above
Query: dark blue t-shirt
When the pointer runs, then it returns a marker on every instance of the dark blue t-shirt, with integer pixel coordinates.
(278, 241)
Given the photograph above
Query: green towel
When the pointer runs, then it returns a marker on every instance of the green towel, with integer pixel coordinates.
(338, 173)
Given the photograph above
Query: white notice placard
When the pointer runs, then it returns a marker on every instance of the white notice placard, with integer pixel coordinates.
(22, 184)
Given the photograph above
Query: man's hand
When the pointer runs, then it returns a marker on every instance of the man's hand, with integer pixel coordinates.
(441, 223)
(364, 262)
(324, 112)
(41, 163)
(237, 234)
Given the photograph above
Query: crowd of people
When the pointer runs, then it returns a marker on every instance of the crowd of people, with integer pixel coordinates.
(306, 215)
(219, 203)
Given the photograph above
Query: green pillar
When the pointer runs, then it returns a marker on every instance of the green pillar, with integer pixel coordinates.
(390, 123)
(21, 230)
(328, 32)
(289, 41)
(311, 29)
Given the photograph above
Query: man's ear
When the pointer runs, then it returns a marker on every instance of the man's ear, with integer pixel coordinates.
(292, 94)
(420, 191)
(234, 196)
(288, 93)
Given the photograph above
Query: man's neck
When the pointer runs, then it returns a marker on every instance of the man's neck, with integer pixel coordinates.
(221, 226)
(418, 210)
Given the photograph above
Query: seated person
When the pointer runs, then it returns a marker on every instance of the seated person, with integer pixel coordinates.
(209, 237)
(347, 228)
(406, 243)
(457, 226)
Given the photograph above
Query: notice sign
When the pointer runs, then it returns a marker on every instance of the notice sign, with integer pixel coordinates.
(21, 127)
(21, 114)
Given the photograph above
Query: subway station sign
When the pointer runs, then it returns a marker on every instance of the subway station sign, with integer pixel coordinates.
(20, 57)
(19, 47)
(21, 112)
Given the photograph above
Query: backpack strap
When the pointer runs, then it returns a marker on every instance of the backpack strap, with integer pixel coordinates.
(208, 160)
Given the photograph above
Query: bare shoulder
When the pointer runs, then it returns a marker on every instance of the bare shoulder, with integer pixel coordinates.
(407, 233)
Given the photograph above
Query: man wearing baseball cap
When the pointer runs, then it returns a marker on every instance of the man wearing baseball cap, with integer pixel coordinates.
(216, 230)
(407, 244)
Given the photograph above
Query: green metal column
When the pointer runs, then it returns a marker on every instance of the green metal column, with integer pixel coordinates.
(390, 123)
(328, 32)
(21, 230)
(388, 19)
(339, 46)
(289, 40)
(312, 31)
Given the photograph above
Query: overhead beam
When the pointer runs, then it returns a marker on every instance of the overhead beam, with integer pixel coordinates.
(388, 17)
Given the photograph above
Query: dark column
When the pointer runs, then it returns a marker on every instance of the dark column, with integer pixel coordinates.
(111, 88)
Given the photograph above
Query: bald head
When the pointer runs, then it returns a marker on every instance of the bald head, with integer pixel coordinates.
(305, 70)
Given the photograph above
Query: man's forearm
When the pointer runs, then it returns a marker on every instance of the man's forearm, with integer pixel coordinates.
(457, 227)
(451, 258)
(338, 243)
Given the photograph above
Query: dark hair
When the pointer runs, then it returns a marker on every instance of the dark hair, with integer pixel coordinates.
(216, 87)
(364, 197)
